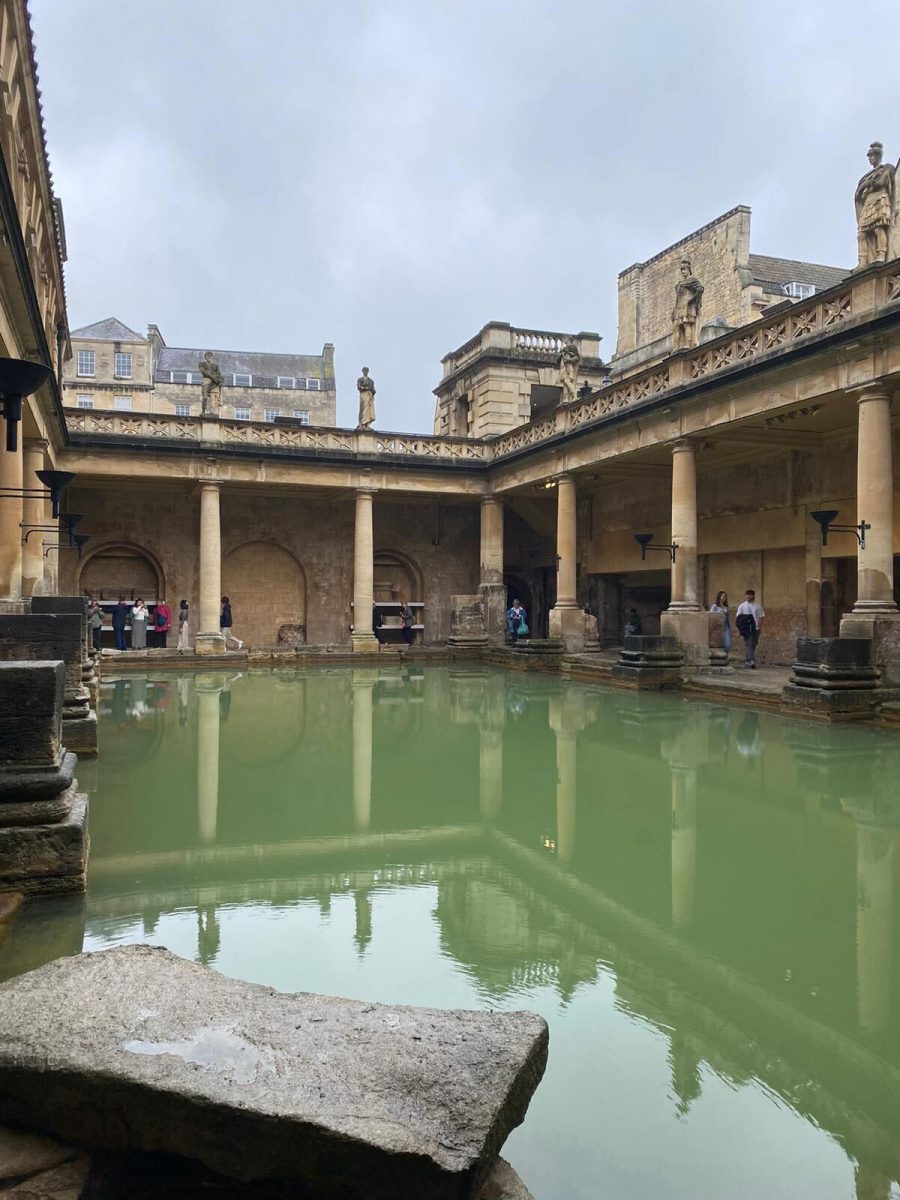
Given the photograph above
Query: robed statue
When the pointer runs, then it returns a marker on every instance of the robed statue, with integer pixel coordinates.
(874, 201)
(211, 387)
(569, 362)
(686, 313)
(365, 385)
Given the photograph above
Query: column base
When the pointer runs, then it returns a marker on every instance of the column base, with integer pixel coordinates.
(493, 599)
(567, 625)
(48, 858)
(209, 643)
(691, 627)
(364, 643)
(882, 628)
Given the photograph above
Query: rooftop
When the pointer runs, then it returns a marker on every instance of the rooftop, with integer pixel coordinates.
(110, 329)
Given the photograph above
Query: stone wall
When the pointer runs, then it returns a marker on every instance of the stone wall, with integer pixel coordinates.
(285, 562)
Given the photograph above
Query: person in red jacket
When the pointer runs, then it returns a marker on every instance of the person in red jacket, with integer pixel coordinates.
(162, 623)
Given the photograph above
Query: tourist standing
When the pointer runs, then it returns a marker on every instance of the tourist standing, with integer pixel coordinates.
(225, 623)
(163, 623)
(95, 623)
(749, 619)
(721, 606)
(139, 626)
(406, 621)
(183, 627)
(119, 621)
(516, 623)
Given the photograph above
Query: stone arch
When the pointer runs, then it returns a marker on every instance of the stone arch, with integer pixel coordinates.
(267, 589)
(121, 569)
(396, 575)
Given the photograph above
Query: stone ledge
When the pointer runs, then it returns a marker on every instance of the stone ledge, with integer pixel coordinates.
(134, 1048)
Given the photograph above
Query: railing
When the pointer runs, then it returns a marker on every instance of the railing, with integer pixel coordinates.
(537, 341)
(133, 425)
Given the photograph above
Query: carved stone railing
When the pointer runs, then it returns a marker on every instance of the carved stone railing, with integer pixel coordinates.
(501, 338)
(536, 341)
(265, 435)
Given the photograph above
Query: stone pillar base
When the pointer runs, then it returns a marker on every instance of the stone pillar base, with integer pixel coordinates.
(467, 621)
(834, 679)
(46, 859)
(209, 643)
(691, 628)
(567, 625)
(882, 629)
(649, 662)
(80, 734)
(364, 643)
(493, 602)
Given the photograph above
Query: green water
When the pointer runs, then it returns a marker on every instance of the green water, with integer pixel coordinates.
(699, 899)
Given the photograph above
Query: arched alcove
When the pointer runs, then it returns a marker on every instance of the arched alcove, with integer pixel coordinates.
(267, 589)
(121, 569)
(396, 577)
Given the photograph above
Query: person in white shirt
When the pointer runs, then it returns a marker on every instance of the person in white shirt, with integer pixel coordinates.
(751, 627)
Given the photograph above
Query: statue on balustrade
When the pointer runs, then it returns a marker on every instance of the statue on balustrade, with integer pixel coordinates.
(211, 388)
(874, 201)
(569, 362)
(365, 385)
(686, 313)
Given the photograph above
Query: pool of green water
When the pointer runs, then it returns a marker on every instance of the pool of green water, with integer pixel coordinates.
(700, 899)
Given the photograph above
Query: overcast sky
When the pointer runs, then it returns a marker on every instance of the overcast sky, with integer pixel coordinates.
(389, 176)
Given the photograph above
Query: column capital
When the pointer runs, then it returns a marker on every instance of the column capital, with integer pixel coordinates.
(872, 391)
(207, 485)
(366, 489)
(682, 444)
(491, 499)
(36, 443)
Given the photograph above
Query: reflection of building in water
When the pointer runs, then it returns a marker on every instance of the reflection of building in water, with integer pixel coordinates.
(684, 1063)
(208, 717)
(362, 901)
(567, 719)
(208, 934)
(686, 751)
(363, 683)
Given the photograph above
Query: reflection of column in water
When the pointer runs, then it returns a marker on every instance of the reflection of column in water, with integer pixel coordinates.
(362, 748)
(566, 749)
(207, 762)
(490, 772)
(363, 902)
(874, 925)
(684, 844)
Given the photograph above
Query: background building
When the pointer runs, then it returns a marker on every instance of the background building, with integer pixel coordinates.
(113, 367)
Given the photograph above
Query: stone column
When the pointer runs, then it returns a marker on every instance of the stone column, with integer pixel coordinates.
(363, 639)
(363, 683)
(209, 640)
(875, 504)
(10, 525)
(51, 560)
(684, 618)
(33, 508)
(208, 718)
(566, 618)
(491, 587)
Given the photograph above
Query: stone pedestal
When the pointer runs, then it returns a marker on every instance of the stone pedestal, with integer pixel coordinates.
(493, 606)
(43, 821)
(650, 662)
(47, 637)
(467, 621)
(90, 659)
(567, 626)
(883, 630)
(834, 679)
(691, 629)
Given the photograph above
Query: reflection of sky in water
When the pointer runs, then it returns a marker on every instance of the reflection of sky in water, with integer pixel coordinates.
(469, 839)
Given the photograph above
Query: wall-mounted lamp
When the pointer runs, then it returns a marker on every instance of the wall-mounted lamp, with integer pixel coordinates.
(69, 521)
(19, 377)
(55, 483)
(825, 518)
(77, 543)
(550, 483)
(644, 540)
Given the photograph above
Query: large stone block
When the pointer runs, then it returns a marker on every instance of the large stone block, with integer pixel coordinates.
(44, 637)
(567, 626)
(31, 701)
(884, 633)
(467, 627)
(134, 1047)
(650, 661)
(691, 629)
(59, 604)
(46, 858)
(833, 678)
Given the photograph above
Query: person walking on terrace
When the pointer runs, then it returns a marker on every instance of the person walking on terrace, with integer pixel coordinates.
(183, 627)
(749, 621)
(119, 621)
(516, 625)
(95, 623)
(406, 621)
(139, 625)
(721, 606)
(225, 622)
(162, 621)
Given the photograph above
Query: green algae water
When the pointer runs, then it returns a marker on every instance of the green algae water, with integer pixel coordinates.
(699, 899)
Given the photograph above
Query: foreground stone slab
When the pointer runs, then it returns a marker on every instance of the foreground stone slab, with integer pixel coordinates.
(137, 1048)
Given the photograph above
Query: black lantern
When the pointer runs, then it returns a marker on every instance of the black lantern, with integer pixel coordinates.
(19, 377)
(825, 518)
(644, 540)
(55, 482)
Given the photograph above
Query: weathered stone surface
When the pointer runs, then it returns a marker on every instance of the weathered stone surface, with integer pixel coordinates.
(23, 1153)
(134, 1047)
(48, 858)
(833, 678)
(467, 626)
(31, 697)
(65, 1182)
(45, 637)
(504, 1184)
(650, 661)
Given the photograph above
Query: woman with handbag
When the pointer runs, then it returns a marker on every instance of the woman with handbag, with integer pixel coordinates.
(516, 624)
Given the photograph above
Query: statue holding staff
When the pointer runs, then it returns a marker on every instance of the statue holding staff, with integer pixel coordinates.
(569, 362)
(686, 313)
(874, 200)
(211, 387)
(365, 385)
